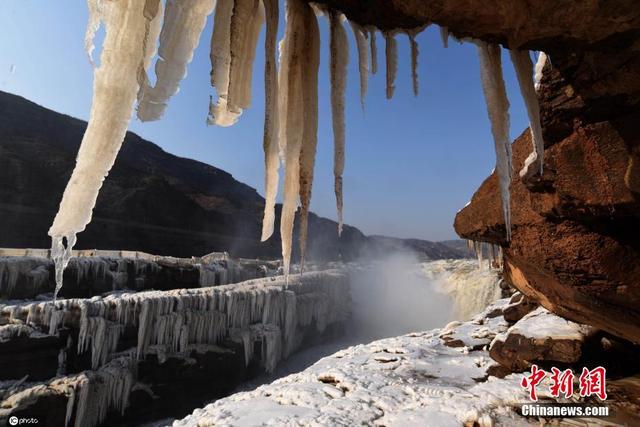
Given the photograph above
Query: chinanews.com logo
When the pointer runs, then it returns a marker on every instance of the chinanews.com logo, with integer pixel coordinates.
(562, 384)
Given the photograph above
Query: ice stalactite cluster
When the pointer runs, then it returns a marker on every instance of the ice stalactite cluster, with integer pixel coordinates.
(133, 30)
(173, 322)
(184, 22)
(498, 108)
(493, 252)
(237, 25)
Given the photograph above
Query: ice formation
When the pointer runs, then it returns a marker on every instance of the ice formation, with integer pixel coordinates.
(414, 61)
(173, 321)
(115, 88)
(524, 70)
(296, 119)
(339, 48)
(415, 379)
(132, 32)
(235, 35)
(498, 109)
(184, 22)
(391, 54)
(363, 58)
(270, 138)
(374, 51)
(311, 59)
(540, 63)
(444, 35)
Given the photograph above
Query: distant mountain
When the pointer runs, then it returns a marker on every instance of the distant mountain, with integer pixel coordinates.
(423, 249)
(151, 201)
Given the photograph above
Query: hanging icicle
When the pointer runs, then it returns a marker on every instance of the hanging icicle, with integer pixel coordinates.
(220, 55)
(498, 110)
(270, 144)
(414, 61)
(311, 65)
(95, 18)
(246, 22)
(374, 50)
(184, 22)
(391, 54)
(444, 35)
(339, 49)
(115, 88)
(363, 61)
(293, 53)
(524, 70)
(540, 63)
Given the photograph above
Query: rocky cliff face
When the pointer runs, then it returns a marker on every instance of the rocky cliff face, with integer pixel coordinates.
(576, 230)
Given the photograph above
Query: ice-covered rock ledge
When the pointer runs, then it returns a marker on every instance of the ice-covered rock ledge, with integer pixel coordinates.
(136, 356)
(436, 378)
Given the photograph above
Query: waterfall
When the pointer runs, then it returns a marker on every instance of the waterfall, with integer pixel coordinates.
(471, 289)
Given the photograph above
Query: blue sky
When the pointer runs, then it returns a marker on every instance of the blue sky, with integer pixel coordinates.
(411, 163)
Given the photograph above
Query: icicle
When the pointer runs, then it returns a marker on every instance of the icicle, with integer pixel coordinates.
(291, 117)
(540, 63)
(414, 62)
(95, 17)
(220, 55)
(498, 109)
(361, 42)
(444, 35)
(311, 59)
(391, 52)
(246, 21)
(524, 70)
(374, 51)
(184, 22)
(339, 48)
(115, 88)
(270, 145)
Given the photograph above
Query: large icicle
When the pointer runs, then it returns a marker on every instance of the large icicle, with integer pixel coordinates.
(414, 61)
(184, 22)
(270, 143)
(339, 49)
(374, 50)
(291, 117)
(311, 59)
(524, 70)
(220, 55)
(363, 61)
(498, 110)
(391, 53)
(246, 22)
(115, 87)
(233, 45)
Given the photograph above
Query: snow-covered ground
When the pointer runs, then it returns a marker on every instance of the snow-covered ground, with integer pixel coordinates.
(413, 379)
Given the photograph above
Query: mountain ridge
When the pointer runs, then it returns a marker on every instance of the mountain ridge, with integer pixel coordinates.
(152, 200)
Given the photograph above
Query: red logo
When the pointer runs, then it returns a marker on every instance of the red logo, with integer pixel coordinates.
(591, 382)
